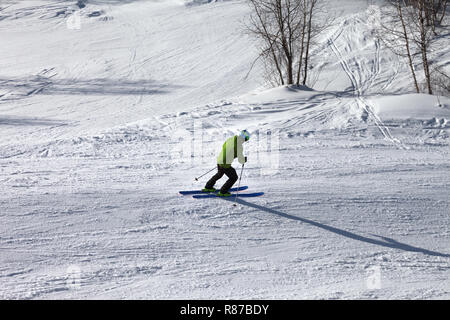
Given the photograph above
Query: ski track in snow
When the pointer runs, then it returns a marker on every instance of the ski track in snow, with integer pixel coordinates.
(359, 86)
(90, 172)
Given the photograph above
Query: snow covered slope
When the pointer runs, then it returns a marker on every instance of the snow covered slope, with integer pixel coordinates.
(130, 62)
(101, 127)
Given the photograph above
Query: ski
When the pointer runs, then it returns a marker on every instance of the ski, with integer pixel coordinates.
(200, 192)
(232, 197)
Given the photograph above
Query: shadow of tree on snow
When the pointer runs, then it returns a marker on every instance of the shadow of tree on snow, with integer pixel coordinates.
(24, 87)
(29, 121)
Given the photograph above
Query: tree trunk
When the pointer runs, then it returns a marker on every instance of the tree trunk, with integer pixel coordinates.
(444, 10)
(266, 35)
(408, 51)
(277, 65)
(424, 45)
(284, 43)
(302, 44)
(308, 41)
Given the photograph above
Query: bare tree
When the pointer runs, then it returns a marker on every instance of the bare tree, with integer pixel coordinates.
(303, 31)
(316, 22)
(404, 34)
(440, 81)
(262, 26)
(434, 11)
(418, 15)
(395, 35)
(285, 29)
(409, 30)
(424, 40)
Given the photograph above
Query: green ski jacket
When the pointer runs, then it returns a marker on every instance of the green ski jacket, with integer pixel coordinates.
(231, 149)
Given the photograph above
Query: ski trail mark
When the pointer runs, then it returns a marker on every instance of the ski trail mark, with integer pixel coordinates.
(361, 102)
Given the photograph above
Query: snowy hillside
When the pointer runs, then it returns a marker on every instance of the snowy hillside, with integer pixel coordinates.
(108, 108)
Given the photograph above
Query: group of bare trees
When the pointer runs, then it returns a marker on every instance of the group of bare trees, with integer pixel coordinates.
(286, 30)
(409, 30)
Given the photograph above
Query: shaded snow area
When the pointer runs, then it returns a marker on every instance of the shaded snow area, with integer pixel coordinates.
(109, 108)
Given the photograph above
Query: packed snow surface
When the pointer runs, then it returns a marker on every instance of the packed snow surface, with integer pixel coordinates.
(109, 108)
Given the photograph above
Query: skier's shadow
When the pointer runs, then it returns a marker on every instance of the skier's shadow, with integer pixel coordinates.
(385, 241)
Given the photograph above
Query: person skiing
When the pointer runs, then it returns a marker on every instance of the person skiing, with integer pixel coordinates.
(231, 149)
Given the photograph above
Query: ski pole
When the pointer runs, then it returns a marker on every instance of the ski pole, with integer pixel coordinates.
(196, 179)
(239, 185)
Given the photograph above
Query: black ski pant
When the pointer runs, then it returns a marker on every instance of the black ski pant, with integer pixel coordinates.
(232, 178)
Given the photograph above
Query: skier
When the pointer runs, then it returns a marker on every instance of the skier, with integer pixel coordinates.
(231, 149)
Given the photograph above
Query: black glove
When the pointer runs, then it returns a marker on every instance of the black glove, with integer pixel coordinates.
(245, 160)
